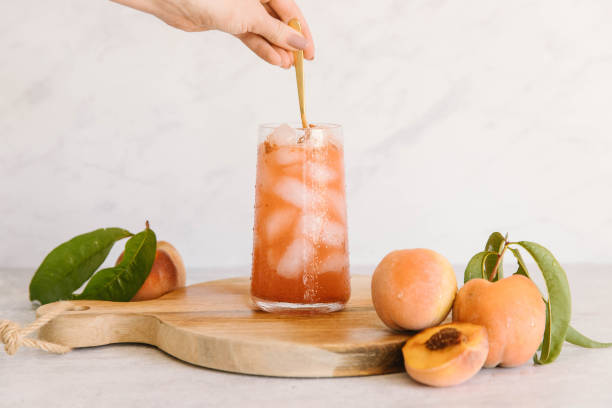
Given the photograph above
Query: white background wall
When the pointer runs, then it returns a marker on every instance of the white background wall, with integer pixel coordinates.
(461, 117)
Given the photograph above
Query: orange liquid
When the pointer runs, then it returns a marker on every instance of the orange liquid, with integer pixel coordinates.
(300, 251)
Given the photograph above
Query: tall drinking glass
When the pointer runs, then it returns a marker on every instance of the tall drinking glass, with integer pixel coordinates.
(300, 248)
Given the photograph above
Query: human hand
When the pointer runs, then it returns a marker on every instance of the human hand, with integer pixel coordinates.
(260, 24)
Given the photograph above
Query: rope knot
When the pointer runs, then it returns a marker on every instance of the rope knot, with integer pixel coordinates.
(13, 336)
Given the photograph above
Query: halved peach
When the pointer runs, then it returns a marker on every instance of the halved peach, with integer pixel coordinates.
(446, 355)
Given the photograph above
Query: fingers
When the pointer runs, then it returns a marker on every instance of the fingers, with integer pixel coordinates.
(287, 56)
(278, 33)
(266, 51)
(286, 10)
(270, 11)
(291, 57)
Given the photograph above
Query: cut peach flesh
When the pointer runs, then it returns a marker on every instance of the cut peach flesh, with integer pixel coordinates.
(453, 362)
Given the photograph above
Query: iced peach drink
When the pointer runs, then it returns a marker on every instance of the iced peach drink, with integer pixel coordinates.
(300, 251)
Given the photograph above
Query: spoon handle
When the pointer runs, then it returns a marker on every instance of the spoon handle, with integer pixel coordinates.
(299, 73)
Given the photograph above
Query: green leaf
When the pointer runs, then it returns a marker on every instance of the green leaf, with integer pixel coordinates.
(575, 337)
(120, 283)
(546, 338)
(522, 268)
(572, 336)
(69, 265)
(475, 268)
(495, 243)
(559, 302)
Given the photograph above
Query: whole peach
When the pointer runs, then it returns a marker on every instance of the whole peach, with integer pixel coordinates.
(513, 312)
(413, 289)
(167, 273)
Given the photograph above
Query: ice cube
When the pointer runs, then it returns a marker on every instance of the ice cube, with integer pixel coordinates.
(278, 222)
(318, 137)
(284, 135)
(310, 225)
(321, 136)
(333, 234)
(293, 192)
(336, 262)
(337, 205)
(288, 156)
(296, 257)
(320, 230)
(321, 173)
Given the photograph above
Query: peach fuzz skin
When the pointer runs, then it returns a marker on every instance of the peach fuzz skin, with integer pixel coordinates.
(451, 364)
(167, 273)
(413, 289)
(513, 312)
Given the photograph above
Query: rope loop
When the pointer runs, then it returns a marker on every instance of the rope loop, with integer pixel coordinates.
(13, 336)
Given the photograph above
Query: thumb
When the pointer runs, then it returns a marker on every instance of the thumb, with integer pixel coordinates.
(279, 33)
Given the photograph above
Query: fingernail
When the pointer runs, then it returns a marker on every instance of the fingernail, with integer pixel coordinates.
(297, 41)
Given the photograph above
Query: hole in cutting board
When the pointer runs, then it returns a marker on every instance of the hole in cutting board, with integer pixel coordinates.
(78, 308)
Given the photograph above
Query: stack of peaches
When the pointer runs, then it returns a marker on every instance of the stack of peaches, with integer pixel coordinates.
(493, 324)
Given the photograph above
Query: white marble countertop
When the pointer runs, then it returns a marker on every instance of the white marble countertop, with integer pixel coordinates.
(139, 375)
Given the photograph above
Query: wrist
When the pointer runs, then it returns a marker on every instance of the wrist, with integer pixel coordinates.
(177, 13)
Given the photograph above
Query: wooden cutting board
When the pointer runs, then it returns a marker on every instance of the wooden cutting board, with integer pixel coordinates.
(214, 324)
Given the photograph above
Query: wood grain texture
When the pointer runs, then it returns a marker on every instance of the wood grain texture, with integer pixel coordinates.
(214, 324)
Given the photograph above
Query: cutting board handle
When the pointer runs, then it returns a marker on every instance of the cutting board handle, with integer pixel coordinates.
(95, 323)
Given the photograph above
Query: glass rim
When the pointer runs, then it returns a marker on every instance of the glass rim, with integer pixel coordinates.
(298, 126)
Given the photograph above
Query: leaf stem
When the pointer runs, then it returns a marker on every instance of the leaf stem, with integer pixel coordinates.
(499, 260)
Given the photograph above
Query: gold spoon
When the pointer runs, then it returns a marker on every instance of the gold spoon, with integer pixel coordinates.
(299, 72)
